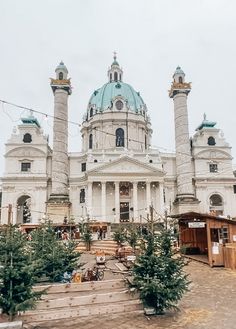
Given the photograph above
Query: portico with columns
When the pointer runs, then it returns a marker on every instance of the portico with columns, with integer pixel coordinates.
(121, 200)
(122, 195)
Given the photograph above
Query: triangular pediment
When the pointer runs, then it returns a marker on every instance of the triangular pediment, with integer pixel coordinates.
(126, 165)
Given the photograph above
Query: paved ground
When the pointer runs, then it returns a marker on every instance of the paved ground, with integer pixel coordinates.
(210, 304)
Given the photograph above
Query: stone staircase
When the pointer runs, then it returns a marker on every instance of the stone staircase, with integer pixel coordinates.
(84, 299)
(108, 246)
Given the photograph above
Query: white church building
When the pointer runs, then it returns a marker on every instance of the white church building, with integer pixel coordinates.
(117, 175)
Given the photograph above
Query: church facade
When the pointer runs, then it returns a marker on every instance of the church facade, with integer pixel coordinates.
(117, 176)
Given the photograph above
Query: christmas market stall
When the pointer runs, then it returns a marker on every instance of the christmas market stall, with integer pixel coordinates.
(207, 238)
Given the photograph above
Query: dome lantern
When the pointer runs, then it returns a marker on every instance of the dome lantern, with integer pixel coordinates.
(115, 73)
(179, 75)
(61, 71)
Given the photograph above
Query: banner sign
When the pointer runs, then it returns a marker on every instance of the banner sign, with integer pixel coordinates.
(196, 224)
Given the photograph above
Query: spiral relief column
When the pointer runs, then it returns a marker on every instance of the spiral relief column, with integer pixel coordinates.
(58, 205)
(185, 198)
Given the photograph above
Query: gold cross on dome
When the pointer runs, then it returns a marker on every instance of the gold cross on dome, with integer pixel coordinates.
(115, 53)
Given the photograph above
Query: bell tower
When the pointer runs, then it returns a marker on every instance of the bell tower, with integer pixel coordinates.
(58, 205)
(185, 198)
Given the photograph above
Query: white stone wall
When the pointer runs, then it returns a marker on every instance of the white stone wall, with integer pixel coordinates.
(33, 183)
(37, 191)
(103, 127)
(209, 183)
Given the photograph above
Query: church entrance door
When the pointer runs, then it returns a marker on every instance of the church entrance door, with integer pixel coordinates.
(124, 211)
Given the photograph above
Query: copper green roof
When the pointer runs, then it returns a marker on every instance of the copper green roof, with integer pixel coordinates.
(115, 63)
(30, 120)
(206, 123)
(102, 98)
(61, 66)
(179, 70)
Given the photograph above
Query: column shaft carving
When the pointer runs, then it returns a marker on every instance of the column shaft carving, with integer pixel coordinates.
(135, 200)
(117, 202)
(89, 198)
(148, 195)
(103, 201)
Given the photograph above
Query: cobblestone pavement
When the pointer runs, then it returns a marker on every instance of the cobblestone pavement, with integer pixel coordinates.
(210, 304)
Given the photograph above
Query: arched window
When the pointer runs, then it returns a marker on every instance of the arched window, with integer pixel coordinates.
(216, 204)
(23, 209)
(27, 138)
(90, 141)
(216, 200)
(119, 105)
(110, 77)
(60, 76)
(120, 137)
(120, 76)
(145, 142)
(211, 141)
(115, 76)
(180, 80)
(91, 112)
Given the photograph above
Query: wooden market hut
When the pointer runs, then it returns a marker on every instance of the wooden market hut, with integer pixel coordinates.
(29, 227)
(208, 238)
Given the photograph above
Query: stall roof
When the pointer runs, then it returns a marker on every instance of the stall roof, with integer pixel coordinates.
(189, 216)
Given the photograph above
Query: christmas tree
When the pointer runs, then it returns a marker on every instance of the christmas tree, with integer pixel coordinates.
(55, 256)
(87, 236)
(159, 273)
(17, 273)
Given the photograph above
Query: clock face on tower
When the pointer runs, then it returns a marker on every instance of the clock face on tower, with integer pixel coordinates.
(119, 105)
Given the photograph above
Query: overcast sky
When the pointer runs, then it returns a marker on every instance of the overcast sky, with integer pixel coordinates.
(151, 38)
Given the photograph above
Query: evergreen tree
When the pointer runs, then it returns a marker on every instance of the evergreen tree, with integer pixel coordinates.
(132, 236)
(119, 236)
(17, 273)
(159, 273)
(87, 236)
(55, 256)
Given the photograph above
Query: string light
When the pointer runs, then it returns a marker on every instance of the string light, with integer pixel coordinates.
(73, 122)
(47, 116)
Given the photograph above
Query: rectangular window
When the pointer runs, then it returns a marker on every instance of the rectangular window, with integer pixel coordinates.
(224, 234)
(82, 196)
(234, 186)
(25, 166)
(213, 167)
(83, 166)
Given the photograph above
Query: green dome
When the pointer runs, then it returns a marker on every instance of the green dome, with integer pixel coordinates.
(179, 70)
(102, 98)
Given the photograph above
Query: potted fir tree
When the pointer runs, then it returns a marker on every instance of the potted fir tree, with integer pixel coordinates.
(159, 275)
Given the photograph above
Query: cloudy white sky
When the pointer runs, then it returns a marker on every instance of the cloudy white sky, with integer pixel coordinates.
(151, 38)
